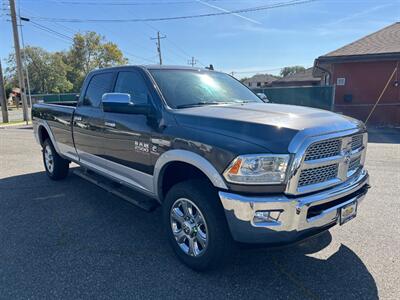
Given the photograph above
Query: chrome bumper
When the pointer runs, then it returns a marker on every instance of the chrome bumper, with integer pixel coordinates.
(296, 217)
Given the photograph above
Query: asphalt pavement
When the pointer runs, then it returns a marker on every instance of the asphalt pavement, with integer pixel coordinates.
(70, 239)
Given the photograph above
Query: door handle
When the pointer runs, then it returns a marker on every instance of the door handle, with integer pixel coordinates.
(78, 118)
(109, 124)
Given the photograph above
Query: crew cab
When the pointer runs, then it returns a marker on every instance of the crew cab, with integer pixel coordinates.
(224, 166)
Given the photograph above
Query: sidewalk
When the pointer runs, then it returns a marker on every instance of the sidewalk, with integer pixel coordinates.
(14, 115)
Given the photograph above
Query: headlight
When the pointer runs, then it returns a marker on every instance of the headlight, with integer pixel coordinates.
(257, 169)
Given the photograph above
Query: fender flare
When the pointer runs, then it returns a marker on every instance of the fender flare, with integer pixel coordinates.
(44, 124)
(190, 158)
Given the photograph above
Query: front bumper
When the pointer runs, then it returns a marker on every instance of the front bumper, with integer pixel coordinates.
(299, 217)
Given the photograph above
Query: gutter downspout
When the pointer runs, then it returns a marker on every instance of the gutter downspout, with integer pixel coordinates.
(329, 81)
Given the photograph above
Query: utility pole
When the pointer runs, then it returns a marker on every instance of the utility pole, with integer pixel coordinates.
(3, 98)
(192, 62)
(19, 62)
(24, 60)
(158, 38)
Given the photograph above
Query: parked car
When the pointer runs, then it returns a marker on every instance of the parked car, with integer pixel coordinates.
(225, 166)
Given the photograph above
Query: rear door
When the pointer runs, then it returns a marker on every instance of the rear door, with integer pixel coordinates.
(88, 130)
(127, 136)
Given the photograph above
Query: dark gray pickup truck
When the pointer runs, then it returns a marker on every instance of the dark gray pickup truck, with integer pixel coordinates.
(225, 166)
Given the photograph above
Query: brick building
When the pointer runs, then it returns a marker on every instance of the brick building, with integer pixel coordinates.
(360, 72)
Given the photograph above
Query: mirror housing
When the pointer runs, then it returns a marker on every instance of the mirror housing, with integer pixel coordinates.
(263, 97)
(121, 103)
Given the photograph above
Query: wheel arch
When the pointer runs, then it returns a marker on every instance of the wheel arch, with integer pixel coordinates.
(196, 166)
(44, 132)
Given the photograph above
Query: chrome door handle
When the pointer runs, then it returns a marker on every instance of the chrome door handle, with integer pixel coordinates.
(109, 124)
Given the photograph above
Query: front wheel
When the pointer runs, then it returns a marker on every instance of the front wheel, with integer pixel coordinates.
(196, 226)
(56, 166)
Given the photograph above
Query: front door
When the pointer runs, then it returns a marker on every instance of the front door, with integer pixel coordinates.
(89, 120)
(127, 136)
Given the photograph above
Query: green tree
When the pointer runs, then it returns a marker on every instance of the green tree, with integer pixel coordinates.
(291, 70)
(60, 72)
(47, 71)
(88, 52)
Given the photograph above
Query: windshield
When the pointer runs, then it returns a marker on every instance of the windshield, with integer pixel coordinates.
(186, 88)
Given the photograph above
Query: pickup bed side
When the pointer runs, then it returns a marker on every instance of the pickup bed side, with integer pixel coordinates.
(54, 121)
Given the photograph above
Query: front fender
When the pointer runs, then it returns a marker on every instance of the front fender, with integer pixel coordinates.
(190, 158)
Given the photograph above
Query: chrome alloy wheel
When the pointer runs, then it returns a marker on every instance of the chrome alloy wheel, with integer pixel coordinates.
(189, 227)
(48, 158)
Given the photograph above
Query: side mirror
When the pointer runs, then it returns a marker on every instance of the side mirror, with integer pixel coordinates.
(121, 103)
(263, 97)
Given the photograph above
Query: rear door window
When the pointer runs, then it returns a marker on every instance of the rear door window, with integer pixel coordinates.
(98, 85)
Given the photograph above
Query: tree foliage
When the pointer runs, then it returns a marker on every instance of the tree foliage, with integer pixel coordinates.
(58, 72)
(291, 70)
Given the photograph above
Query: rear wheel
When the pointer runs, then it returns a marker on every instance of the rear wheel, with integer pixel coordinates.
(196, 225)
(56, 166)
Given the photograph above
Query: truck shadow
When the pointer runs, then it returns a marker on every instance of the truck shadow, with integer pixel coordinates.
(73, 240)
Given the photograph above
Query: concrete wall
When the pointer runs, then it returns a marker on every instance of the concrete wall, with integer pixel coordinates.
(364, 81)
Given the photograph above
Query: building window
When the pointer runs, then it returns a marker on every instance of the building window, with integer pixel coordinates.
(340, 81)
(258, 84)
(249, 84)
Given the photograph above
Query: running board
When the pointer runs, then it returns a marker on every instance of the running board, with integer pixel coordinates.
(134, 197)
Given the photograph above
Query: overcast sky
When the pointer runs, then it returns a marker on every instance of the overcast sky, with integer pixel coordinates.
(246, 43)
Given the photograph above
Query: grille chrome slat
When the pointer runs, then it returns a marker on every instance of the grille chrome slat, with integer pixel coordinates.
(356, 141)
(355, 163)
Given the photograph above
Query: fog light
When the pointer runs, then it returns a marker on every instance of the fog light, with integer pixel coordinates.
(267, 216)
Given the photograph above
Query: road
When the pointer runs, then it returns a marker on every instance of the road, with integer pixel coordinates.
(70, 239)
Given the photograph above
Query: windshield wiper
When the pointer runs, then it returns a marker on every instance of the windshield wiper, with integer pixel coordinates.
(200, 104)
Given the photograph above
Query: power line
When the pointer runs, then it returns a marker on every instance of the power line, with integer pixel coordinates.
(257, 71)
(147, 3)
(132, 3)
(49, 30)
(243, 10)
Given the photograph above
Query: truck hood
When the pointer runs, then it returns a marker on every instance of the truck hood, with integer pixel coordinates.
(272, 126)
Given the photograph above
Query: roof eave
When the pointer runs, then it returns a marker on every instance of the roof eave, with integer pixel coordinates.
(359, 58)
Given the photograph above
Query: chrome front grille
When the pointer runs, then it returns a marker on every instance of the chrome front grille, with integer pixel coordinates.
(356, 141)
(318, 175)
(327, 161)
(323, 149)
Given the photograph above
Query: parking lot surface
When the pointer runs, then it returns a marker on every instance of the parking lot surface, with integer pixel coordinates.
(70, 239)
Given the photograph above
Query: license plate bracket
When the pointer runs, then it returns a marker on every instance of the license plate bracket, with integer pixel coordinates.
(347, 212)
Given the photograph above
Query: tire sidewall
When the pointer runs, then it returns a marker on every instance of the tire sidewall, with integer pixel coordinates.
(47, 143)
(206, 199)
(60, 165)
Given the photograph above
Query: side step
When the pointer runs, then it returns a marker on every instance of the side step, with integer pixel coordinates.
(134, 197)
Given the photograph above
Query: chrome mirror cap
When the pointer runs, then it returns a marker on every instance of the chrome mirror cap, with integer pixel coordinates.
(122, 98)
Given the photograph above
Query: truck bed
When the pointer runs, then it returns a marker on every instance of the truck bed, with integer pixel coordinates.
(58, 116)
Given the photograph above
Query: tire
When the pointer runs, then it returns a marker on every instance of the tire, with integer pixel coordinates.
(212, 242)
(56, 167)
